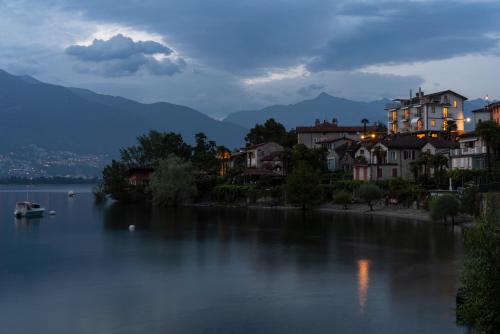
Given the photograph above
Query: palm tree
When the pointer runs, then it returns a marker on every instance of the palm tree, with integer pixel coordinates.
(489, 132)
(364, 121)
(378, 152)
(439, 161)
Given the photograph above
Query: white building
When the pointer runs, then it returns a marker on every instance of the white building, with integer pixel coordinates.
(471, 154)
(431, 113)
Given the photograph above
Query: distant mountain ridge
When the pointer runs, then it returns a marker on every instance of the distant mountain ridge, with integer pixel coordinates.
(79, 120)
(324, 107)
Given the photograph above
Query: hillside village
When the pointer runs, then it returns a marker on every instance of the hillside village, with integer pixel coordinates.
(421, 151)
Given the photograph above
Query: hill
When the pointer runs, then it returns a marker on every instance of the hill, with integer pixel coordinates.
(78, 120)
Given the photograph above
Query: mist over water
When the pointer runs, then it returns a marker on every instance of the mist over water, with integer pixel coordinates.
(207, 270)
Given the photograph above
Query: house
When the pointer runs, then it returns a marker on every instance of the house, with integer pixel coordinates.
(140, 176)
(255, 153)
(427, 113)
(315, 136)
(274, 162)
(387, 158)
(342, 156)
(441, 146)
(471, 154)
(490, 112)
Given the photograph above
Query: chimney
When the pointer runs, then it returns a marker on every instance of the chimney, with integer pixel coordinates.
(317, 122)
(334, 122)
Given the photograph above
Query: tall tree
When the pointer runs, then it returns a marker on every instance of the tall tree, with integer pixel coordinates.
(365, 122)
(115, 181)
(204, 156)
(153, 147)
(302, 186)
(271, 131)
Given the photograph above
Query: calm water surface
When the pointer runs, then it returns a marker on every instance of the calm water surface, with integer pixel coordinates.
(220, 271)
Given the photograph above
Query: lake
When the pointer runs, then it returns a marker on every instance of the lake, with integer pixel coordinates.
(208, 270)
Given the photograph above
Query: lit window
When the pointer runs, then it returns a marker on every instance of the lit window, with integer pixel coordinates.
(433, 123)
(445, 112)
(454, 103)
(445, 125)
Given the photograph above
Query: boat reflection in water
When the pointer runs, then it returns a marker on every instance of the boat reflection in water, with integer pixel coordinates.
(363, 282)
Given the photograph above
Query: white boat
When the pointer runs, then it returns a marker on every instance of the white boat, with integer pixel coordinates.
(28, 209)
(71, 193)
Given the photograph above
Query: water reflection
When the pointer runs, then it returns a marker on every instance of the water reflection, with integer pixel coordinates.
(363, 282)
(192, 270)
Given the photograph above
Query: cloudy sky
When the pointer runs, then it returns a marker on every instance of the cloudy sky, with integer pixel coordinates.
(221, 56)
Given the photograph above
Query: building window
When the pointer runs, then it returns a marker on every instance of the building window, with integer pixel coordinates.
(412, 155)
(445, 112)
(433, 109)
(362, 152)
(379, 172)
(454, 103)
(405, 155)
(433, 123)
(445, 125)
(394, 172)
(392, 155)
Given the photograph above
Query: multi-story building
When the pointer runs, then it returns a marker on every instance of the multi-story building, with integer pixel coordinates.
(471, 154)
(427, 113)
(490, 112)
(316, 136)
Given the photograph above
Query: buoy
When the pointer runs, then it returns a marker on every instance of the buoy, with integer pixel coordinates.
(52, 212)
(71, 193)
(131, 228)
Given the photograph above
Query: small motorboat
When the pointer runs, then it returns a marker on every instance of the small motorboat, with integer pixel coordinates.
(28, 209)
(71, 193)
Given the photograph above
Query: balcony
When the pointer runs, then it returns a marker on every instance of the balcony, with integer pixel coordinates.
(468, 151)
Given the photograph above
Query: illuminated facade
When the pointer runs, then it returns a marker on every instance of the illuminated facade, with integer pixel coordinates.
(433, 113)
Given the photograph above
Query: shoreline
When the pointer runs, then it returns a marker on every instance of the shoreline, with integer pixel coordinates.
(355, 209)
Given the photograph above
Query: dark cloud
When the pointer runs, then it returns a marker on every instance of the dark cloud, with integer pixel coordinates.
(310, 89)
(401, 32)
(245, 37)
(120, 55)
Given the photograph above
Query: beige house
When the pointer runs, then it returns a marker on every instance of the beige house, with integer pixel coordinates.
(315, 136)
(256, 153)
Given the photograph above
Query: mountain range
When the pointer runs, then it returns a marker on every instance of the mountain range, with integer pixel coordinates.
(78, 120)
(324, 107)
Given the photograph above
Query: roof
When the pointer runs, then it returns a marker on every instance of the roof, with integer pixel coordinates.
(256, 146)
(442, 143)
(333, 128)
(347, 148)
(444, 92)
(487, 107)
(403, 141)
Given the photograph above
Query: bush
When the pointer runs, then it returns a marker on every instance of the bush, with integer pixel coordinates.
(369, 193)
(99, 194)
(231, 193)
(342, 197)
(470, 201)
(173, 182)
(444, 206)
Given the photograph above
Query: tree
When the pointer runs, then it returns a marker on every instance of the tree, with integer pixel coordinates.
(115, 181)
(271, 131)
(379, 154)
(302, 186)
(342, 197)
(204, 156)
(481, 278)
(369, 193)
(99, 194)
(173, 182)
(439, 162)
(314, 158)
(364, 121)
(153, 147)
(444, 206)
(489, 132)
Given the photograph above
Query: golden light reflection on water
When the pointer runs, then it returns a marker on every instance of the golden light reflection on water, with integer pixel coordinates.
(363, 282)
